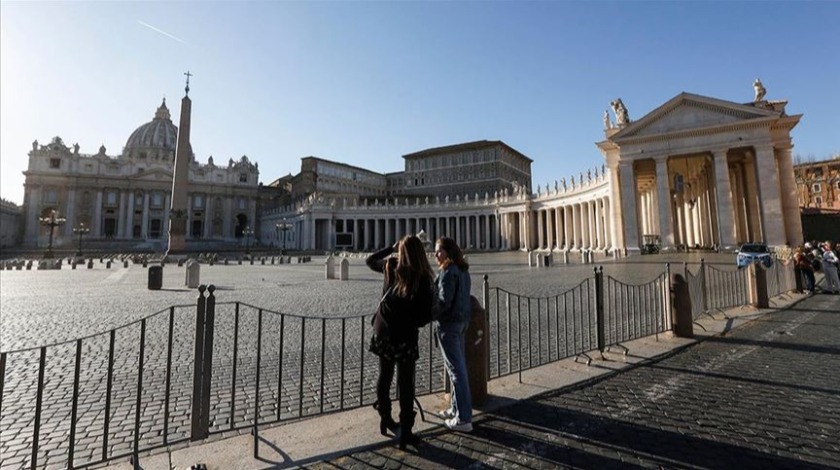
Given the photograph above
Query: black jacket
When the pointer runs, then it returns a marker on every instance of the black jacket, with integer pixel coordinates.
(403, 315)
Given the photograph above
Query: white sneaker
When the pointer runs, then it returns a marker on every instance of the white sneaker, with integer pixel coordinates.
(448, 413)
(459, 426)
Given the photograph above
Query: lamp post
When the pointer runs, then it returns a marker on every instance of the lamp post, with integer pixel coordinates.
(52, 221)
(81, 229)
(247, 232)
(283, 227)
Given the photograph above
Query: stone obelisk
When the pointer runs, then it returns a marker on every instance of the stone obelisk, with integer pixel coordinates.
(183, 154)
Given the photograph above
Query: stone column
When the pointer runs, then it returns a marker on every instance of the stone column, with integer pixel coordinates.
(541, 223)
(617, 233)
(790, 197)
(96, 230)
(770, 202)
(129, 219)
(188, 226)
(32, 214)
(567, 229)
(663, 196)
(121, 215)
(70, 213)
(628, 207)
(227, 220)
(593, 233)
(208, 217)
(144, 227)
(723, 194)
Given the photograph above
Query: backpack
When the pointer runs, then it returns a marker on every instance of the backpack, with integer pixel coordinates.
(815, 263)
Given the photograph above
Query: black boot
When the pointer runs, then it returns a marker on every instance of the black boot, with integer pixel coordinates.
(407, 438)
(386, 422)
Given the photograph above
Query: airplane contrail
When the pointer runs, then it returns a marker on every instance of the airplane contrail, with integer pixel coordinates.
(162, 32)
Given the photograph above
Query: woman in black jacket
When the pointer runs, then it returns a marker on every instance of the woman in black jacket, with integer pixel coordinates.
(406, 305)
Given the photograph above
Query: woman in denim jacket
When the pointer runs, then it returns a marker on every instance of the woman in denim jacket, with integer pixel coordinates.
(453, 284)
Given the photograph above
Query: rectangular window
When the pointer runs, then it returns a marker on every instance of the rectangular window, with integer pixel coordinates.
(51, 196)
(818, 201)
(198, 201)
(55, 163)
(241, 204)
(111, 198)
(157, 200)
(817, 188)
(243, 177)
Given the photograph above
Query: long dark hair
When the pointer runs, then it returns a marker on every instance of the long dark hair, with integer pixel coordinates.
(454, 255)
(412, 266)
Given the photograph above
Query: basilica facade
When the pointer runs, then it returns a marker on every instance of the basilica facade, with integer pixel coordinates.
(126, 197)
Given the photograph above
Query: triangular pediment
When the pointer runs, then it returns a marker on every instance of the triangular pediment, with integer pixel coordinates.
(686, 112)
(155, 174)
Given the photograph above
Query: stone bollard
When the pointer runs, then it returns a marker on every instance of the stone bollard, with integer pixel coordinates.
(344, 270)
(180, 263)
(90, 263)
(193, 270)
(288, 260)
(240, 260)
(330, 267)
(272, 260)
(566, 257)
(757, 286)
(547, 260)
(125, 263)
(477, 352)
(530, 262)
(145, 264)
(29, 265)
(73, 265)
(681, 312)
(108, 265)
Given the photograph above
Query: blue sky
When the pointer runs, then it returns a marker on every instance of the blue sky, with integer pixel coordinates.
(367, 82)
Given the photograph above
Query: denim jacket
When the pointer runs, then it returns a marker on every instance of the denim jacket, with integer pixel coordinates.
(454, 295)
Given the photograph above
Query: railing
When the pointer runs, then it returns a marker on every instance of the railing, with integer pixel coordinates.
(232, 366)
(524, 329)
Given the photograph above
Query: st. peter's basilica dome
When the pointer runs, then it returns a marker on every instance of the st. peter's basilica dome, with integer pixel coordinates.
(154, 140)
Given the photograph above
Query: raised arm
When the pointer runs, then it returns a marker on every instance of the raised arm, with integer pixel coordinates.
(376, 261)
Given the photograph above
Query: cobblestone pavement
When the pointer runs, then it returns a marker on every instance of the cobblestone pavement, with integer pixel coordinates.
(39, 308)
(765, 395)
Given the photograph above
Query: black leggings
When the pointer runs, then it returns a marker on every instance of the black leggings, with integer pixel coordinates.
(405, 386)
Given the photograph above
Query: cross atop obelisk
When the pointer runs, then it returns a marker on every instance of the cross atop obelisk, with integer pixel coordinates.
(187, 89)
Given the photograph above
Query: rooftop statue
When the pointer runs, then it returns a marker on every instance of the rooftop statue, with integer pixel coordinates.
(564, 183)
(622, 117)
(76, 148)
(35, 144)
(759, 91)
(607, 123)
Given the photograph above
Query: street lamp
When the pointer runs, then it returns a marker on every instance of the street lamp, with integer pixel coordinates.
(247, 232)
(52, 221)
(283, 227)
(81, 229)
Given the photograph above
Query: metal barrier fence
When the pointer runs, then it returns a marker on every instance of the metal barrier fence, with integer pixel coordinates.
(781, 277)
(209, 368)
(523, 329)
(723, 288)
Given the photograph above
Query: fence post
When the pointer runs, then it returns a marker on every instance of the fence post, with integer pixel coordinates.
(703, 285)
(196, 428)
(599, 309)
(666, 300)
(207, 361)
(204, 320)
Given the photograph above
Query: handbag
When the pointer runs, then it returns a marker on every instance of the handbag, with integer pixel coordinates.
(381, 343)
